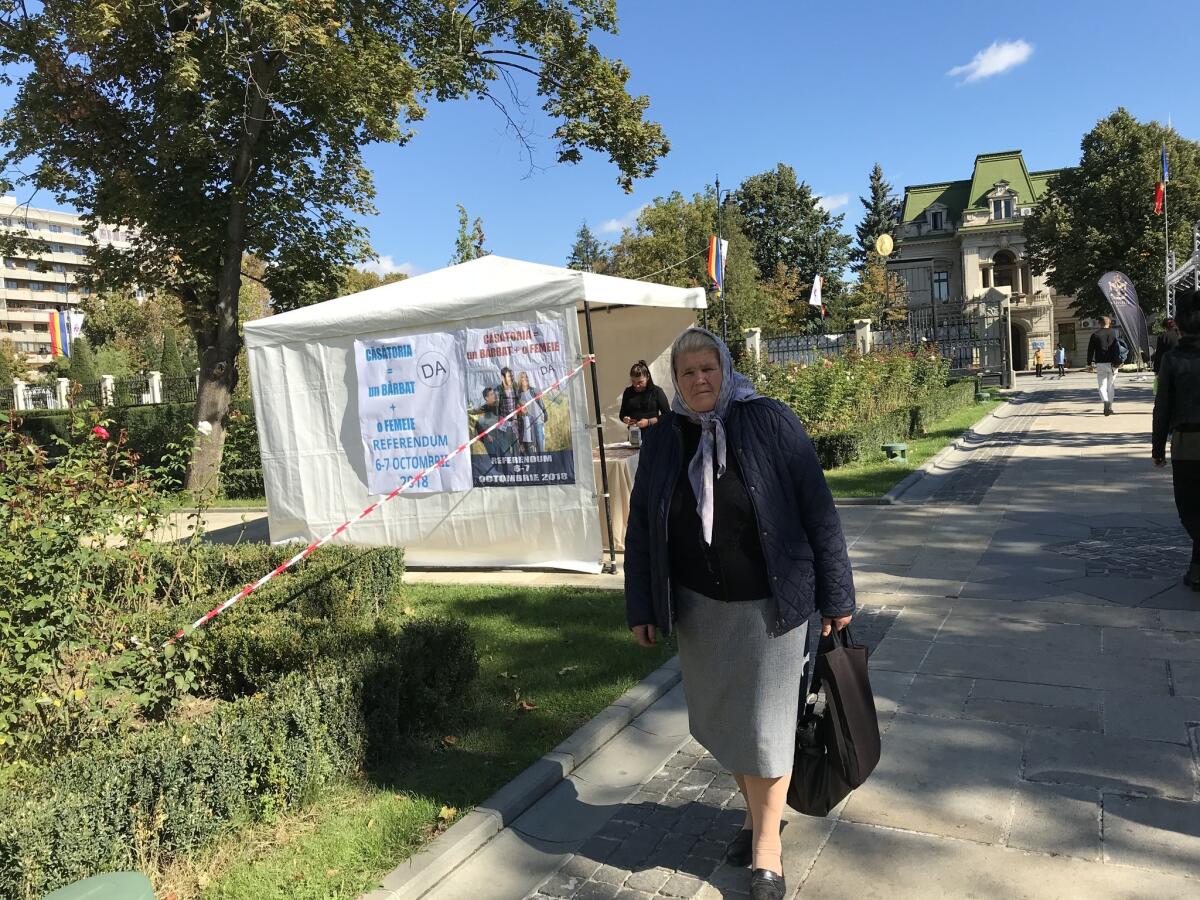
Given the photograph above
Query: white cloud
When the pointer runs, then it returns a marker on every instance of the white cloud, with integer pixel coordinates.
(386, 265)
(995, 60)
(616, 226)
(833, 202)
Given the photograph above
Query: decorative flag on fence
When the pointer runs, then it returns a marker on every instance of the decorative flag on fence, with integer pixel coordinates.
(717, 251)
(1160, 189)
(814, 296)
(60, 334)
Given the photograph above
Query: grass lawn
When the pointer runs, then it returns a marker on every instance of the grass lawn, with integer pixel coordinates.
(874, 475)
(550, 659)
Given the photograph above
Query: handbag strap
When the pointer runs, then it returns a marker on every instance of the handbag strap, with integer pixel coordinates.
(810, 684)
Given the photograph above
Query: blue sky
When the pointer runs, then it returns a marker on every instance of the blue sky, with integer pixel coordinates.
(829, 88)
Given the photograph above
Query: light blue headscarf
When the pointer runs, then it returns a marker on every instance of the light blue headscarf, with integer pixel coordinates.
(734, 388)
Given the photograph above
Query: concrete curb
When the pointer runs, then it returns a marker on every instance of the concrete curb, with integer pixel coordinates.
(424, 870)
(959, 443)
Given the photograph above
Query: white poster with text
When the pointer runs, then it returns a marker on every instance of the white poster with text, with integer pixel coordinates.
(412, 411)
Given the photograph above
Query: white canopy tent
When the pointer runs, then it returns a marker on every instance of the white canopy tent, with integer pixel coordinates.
(305, 392)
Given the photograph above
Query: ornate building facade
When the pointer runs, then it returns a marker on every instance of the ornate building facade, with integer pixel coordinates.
(959, 240)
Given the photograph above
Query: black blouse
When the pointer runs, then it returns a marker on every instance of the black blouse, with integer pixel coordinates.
(732, 568)
(646, 404)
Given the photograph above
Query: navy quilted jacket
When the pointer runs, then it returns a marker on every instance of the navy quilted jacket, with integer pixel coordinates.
(801, 534)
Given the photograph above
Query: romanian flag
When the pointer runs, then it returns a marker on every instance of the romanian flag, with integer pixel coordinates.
(60, 334)
(1160, 189)
(716, 261)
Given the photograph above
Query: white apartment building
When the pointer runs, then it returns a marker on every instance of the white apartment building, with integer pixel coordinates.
(45, 282)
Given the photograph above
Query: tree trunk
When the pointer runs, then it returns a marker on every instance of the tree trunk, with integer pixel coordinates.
(219, 330)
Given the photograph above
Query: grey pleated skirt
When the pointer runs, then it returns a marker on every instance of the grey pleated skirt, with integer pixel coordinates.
(742, 685)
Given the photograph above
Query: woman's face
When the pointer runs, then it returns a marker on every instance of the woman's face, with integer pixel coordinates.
(639, 382)
(699, 378)
(507, 379)
(523, 382)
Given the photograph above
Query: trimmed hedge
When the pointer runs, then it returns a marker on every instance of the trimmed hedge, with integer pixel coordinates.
(174, 787)
(837, 448)
(153, 430)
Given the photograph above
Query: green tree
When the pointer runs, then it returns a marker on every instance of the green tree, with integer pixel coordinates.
(1099, 216)
(588, 254)
(785, 224)
(881, 206)
(667, 245)
(469, 243)
(357, 280)
(82, 365)
(113, 360)
(876, 295)
(12, 365)
(172, 362)
(212, 130)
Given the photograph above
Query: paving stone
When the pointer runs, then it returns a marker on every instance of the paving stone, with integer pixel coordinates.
(1058, 819)
(1151, 718)
(1186, 677)
(681, 886)
(1035, 714)
(942, 776)
(617, 830)
(610, 874)
(634, 851)
(861, 862)
(937, 695)
(512, 866)
(561, 885)
(900, 655)
(709, 849)
(598, 849)
(716, 796)
(1001, 632)
(627, 894)
(1045, 694)
(1153, 834)
(1109, 763)
(649, 880)
(597, 890)
(1142, 643)
(579, 867)
(572, 811)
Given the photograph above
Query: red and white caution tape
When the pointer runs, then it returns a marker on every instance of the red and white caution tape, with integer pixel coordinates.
(308, 551)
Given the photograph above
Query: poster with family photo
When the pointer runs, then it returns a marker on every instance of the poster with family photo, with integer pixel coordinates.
(507, 366)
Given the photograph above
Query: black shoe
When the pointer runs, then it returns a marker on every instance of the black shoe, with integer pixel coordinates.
(1192, 577)
(1108, 409)
(739, 852)
(767, 885)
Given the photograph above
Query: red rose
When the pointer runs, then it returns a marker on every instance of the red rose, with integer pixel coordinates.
(101, 432)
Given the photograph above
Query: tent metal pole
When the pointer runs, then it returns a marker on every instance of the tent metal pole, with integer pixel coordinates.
(611, 567)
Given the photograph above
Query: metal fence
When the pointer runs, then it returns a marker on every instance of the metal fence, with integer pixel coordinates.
(133, 391)
(179, 390)
(808, 348)
(973, 343)
(41, 397)
(90, 394)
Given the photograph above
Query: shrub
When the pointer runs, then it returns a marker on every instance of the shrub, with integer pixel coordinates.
(175, 786)
(836, 448)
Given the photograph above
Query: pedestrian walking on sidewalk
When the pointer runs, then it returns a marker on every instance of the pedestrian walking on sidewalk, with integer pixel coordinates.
(733, 542)
(1177, 413)
(1166, 342)
(1104, 352)
(1060, 360)
(1039, 360)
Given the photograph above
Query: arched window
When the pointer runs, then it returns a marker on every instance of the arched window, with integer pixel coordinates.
(1004, 269)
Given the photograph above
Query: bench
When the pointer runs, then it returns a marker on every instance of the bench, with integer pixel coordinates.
(896, 451)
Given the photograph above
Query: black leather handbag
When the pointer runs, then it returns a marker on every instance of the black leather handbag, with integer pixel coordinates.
(838, 747)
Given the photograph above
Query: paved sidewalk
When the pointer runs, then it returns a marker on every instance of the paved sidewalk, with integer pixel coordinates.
(1037, 671)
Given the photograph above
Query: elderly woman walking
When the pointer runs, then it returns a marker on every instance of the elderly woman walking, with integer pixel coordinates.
(733, 543)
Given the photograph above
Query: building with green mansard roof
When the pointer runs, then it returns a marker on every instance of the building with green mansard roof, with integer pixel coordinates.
(959, 240)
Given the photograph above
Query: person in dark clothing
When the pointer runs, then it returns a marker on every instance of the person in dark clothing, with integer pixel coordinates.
(1166, 342)
(733, 542)
(1104, 352)
(1177, 414)
(643, 402)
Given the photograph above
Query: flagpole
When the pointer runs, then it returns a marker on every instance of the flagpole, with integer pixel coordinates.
(1166, 238)
(721, 270)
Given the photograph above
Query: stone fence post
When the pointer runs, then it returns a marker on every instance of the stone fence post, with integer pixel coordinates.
(20, 400)
(754, 343)
(108, 390)
(155, 379)
(62, 387)
(862, 335)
